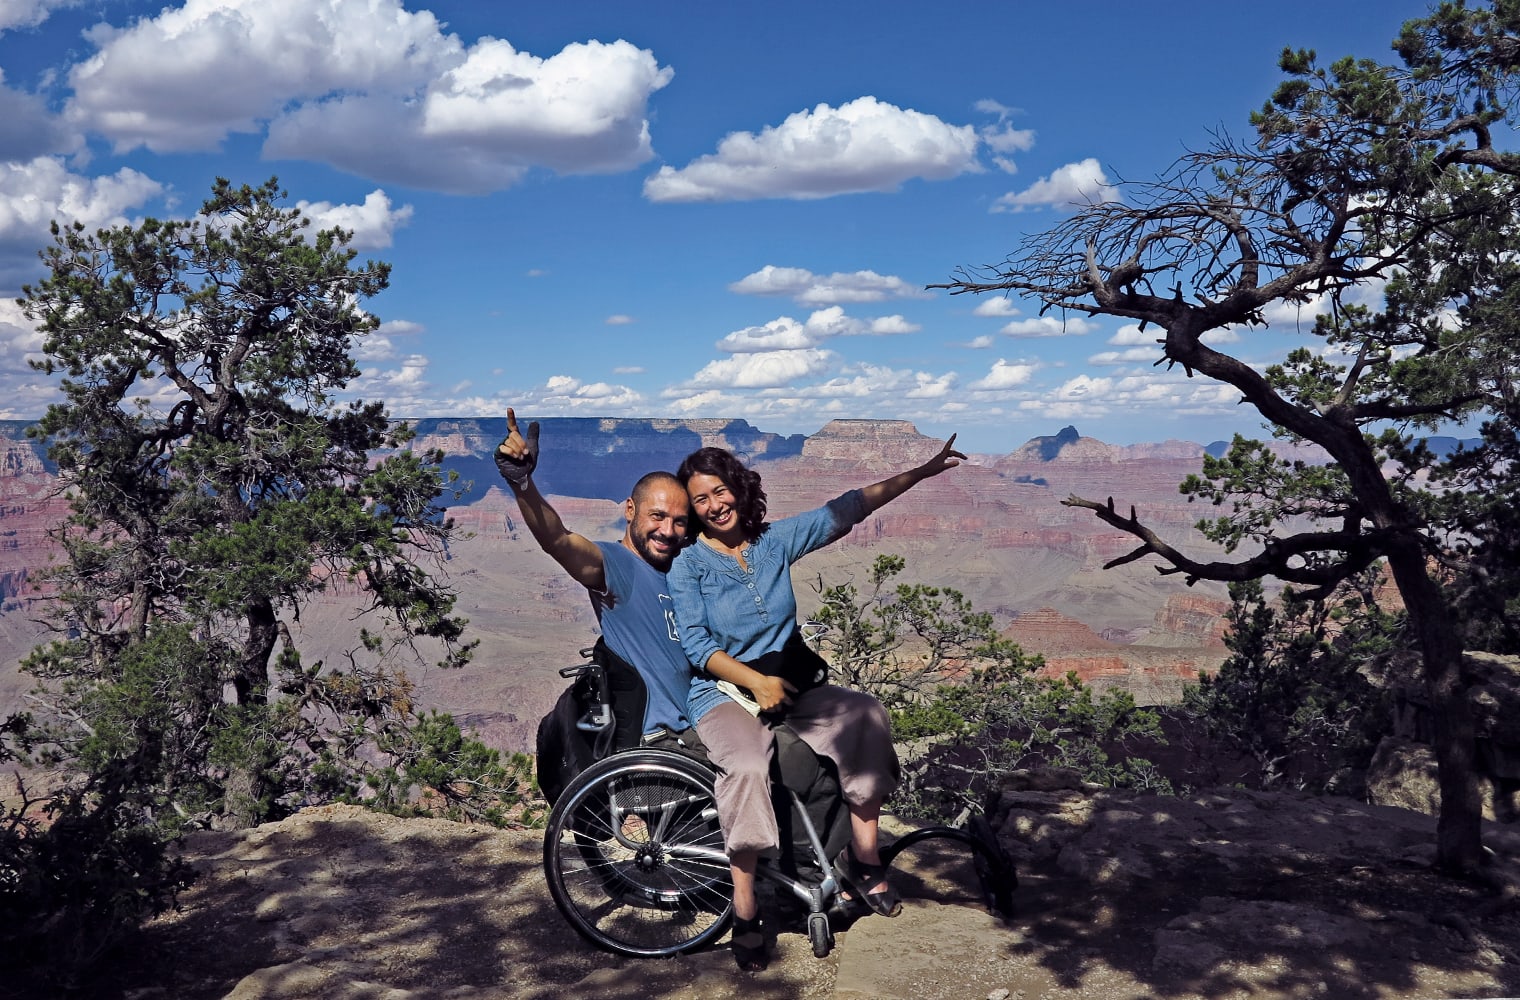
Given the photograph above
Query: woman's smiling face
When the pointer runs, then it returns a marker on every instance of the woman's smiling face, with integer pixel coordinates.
(713, 502)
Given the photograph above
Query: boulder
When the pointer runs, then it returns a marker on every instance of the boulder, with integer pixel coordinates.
(1403, 770)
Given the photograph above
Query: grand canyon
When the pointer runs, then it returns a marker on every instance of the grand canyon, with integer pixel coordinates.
(994, 529)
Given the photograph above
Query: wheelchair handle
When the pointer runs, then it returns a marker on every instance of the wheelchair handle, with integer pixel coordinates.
(581, 668)
(598, 717)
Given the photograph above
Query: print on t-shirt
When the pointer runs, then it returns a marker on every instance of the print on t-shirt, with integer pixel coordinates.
(668, 606)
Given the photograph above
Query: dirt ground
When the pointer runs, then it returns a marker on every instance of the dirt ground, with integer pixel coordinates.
(341, 903)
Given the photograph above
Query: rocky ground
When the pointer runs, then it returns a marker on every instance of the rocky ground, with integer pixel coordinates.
(1226, 895)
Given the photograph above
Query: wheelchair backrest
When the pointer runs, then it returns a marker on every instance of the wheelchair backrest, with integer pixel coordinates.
(601, 712)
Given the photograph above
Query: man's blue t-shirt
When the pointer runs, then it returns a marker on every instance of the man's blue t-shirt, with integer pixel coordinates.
(639, 623)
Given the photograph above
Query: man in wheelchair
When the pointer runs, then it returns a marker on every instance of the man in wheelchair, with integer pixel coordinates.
(626, 582)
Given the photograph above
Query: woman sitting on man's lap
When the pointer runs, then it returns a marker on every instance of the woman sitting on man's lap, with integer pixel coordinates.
(734, 606)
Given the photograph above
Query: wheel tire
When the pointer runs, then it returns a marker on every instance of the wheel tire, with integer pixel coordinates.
(820, 935)
(609, 861)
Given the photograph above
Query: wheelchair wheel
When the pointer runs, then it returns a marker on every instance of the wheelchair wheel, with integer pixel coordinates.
(634, 856)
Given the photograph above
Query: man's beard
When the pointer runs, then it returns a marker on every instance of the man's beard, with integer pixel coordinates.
(654, 558)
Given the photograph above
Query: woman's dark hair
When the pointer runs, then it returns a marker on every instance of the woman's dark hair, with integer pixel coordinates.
(749, 498)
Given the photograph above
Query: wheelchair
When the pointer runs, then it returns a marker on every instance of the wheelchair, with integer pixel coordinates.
(634, 856)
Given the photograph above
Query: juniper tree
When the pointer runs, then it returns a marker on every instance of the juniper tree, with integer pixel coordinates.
(1361, 175)
(1293, 692)
(217, 488)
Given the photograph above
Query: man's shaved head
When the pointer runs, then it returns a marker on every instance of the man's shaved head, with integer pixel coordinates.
(642, 487)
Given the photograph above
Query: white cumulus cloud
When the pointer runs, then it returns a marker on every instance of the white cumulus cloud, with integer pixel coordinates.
(780, 334)
(372, 223)
(19, 337)
(1075, 185)
(582, 111)
(1084, 387)
(1004, 140)
(191, 75)
(1133, 355)
(1004, 375)
(1048, 326)
(1130, 334)
(409, 376)
(808, 288)
(996, 307)
(886, 385)
(36, 192)
(863, 145)
(785, 333)
(27, 128)
(374, 347)
(368, 87)
(763, 370)
(400, 328)
(567, 394)
(28, 13)
(891, 325)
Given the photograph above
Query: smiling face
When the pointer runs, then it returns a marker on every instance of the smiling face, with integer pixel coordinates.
(727, 498)
(658, 521)
(713, 501)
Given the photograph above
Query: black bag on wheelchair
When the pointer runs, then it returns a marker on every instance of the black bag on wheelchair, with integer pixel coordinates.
(815, 779)
(601, 712)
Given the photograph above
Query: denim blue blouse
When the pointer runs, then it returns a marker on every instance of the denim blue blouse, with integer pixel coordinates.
(721, 606)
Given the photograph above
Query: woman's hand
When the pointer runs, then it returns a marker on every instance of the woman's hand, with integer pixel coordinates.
(771, 692)
(517, 456)
(948, 458)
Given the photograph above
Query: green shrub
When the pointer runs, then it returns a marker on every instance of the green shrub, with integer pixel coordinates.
(436, 770)
(1293, 693)
(76, 882)
(967, 704)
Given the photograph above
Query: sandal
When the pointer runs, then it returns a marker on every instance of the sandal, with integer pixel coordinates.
(748, 944)
(861, 878)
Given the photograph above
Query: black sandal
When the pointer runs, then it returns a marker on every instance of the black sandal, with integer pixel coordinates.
(860, 878)
(748, 944)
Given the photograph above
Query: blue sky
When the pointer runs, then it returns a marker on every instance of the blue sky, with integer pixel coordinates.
(668, 209)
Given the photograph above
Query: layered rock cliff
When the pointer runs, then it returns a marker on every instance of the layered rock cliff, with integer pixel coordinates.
(29, 505)
(599, 457)
(1185, 638)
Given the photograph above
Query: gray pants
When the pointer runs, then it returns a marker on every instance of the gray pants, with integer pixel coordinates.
(849, 727)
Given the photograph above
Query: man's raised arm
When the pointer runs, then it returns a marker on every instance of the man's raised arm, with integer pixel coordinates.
(516, 458)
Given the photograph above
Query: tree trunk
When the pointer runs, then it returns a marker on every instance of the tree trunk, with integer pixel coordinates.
(1459, 829)
(246, 789)
(252, 679)
(242, 799)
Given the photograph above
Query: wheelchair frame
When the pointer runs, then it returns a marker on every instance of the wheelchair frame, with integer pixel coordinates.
(634, 856)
